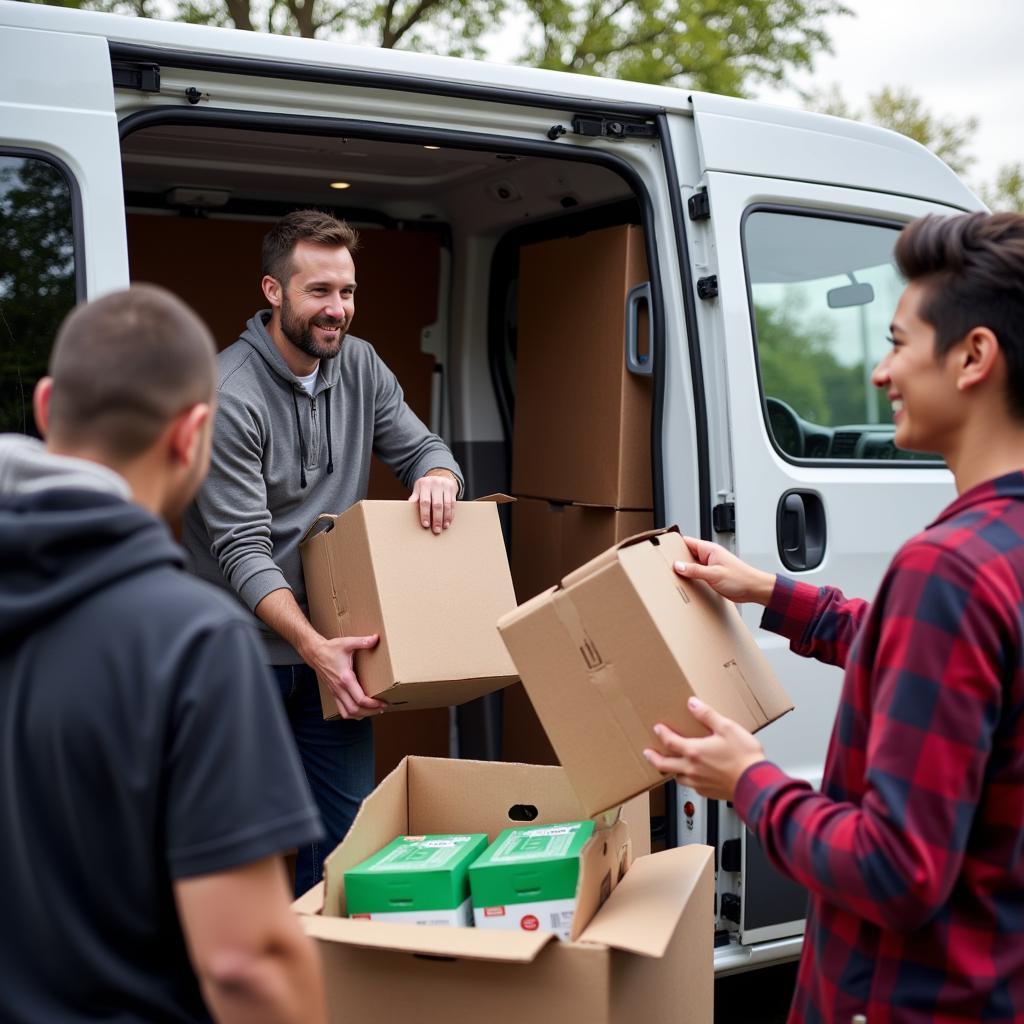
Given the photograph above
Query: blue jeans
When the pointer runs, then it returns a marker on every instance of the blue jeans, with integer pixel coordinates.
(337, 756)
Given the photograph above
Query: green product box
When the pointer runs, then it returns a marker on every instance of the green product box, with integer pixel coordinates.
(416, 880)
(526, 879)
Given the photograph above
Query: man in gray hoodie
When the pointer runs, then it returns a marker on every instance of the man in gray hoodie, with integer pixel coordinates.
(302, 406)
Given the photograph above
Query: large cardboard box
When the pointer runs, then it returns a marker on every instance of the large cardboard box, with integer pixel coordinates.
(582, 429)
(644, 954)
(434, 600)
(620, 645)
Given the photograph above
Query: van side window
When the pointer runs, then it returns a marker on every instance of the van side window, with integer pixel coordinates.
(823, 291)
(37, 278)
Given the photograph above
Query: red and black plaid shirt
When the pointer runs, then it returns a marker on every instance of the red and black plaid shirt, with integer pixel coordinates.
(913, 851)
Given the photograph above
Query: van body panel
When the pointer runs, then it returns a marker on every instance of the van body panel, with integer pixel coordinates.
(777, 142)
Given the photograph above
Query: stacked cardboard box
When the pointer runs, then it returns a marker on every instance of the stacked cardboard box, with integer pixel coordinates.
(581, 469)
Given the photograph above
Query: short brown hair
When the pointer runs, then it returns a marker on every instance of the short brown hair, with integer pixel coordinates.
(303, 226)
(124, 366)
(972, 269)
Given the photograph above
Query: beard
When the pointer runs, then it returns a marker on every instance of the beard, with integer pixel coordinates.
(300, 332)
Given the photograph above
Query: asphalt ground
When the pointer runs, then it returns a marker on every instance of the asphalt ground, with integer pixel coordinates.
(755, 997)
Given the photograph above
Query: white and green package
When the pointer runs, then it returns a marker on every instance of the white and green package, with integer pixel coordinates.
(415, 880)
(526, 879)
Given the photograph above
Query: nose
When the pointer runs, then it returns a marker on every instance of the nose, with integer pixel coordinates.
(335, 307)
(880, 374)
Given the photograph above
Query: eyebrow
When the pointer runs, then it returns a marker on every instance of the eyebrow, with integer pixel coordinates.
(328, 285)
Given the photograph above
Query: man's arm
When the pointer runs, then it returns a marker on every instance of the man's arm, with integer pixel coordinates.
(403, 441)
(254, 964)
(331, 659)
(819, 622)
(935, 699)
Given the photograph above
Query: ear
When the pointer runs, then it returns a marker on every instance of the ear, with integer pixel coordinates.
(272, 290)
(186, 432)
(41, 404)
(977, 356)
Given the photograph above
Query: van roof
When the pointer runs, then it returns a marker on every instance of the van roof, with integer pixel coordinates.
(912, 159)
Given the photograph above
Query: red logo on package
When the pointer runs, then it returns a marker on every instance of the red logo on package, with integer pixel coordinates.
(361, 917)
(529, 923)
(494, 911)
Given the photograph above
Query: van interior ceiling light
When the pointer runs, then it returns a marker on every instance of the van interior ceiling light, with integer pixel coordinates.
(341, 184)
(431, 147)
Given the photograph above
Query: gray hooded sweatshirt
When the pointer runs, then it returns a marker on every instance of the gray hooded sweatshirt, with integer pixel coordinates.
(281, 457)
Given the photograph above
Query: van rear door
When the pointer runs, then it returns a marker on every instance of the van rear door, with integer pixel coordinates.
(57, 103)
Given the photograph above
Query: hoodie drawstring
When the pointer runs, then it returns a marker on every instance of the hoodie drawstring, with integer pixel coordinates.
(330, 453)
(302, 442)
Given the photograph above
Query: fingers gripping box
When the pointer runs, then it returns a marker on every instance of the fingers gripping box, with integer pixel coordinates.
(527, 878)
(417, 880)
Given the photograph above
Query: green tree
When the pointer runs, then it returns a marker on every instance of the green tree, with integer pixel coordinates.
(717, 45)
(37, 279)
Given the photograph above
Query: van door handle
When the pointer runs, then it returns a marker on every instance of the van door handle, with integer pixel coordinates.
(640, 363)
(801, 530)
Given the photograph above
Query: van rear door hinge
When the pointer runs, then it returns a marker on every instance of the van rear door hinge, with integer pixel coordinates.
(723, 517)
(700, 205)
(611, 127)
(139, 76)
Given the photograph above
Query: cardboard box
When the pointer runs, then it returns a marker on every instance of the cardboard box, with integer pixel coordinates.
(433, 600)
(646, 953)
(582, 429)
(417, 880)
(550, 539)
(622, 644)
(528, 877)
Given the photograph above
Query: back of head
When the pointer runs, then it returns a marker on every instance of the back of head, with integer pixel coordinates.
(123, 367)
(972, 270)
(312, 226)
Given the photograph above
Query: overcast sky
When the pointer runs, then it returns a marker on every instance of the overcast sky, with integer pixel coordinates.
(963, 57)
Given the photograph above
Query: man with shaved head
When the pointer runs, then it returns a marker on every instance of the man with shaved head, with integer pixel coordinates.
(148, 781)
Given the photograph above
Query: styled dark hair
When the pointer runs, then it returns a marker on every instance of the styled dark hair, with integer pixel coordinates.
(303, 226)
(972, 270)
(124, 366)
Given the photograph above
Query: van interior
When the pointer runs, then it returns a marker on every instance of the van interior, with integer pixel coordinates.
(443, 232)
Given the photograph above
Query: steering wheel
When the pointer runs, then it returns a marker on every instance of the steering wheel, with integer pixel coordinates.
(786, 426)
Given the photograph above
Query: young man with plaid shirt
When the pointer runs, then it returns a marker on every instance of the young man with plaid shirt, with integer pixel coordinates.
(913, 851)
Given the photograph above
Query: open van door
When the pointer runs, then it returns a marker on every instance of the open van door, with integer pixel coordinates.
(57, 109)
(795, 292)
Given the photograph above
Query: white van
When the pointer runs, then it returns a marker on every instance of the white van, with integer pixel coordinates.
(140, 150)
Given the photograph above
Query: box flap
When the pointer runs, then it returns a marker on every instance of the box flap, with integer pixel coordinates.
(498, 498)
(311, 901)
(644, 909)
(609, 556)
(463, 943)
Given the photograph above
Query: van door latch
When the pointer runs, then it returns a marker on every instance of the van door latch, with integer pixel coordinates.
(139, 76)
(723, 517)
(610, 127)
(707, 287)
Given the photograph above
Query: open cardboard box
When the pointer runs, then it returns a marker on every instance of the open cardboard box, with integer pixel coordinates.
(433, 599)
(642, 946)
(619, 646)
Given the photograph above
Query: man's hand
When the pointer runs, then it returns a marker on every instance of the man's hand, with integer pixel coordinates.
(436, 492)
(711, 765)
(725, 573)
(333, 662)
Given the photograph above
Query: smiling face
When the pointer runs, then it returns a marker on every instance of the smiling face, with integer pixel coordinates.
(316, 305)
(922, 387)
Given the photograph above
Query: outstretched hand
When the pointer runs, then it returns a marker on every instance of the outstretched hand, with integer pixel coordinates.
(713, 764)
(725, 573)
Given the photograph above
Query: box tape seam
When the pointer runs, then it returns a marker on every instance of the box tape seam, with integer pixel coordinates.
(606, 681)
